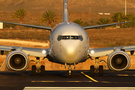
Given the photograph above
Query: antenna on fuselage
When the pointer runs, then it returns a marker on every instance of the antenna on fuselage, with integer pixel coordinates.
(65, 11)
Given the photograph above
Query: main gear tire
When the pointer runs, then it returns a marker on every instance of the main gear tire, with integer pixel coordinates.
(42, 70)
(101, 70)
(92, 70)
(33, 70)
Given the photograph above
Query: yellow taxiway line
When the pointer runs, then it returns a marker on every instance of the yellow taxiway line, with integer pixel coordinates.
(89, 77)
(122, 75)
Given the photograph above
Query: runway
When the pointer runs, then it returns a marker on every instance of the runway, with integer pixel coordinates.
(20, 80)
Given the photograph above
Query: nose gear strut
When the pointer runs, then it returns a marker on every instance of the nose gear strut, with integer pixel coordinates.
(69, 74)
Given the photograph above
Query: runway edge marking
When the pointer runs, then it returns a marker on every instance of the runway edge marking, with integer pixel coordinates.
(89, 77)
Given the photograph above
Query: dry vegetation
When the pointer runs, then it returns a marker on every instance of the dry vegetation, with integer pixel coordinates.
(74, 5)
(37, 35)
(111, 37)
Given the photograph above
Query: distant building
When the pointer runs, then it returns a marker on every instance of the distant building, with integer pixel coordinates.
(1, 25)
(104, 13)
(107, 14)
(100, 13)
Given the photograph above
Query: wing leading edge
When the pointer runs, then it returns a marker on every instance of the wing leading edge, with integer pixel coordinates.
(27, 25)
(103, 25)
(37, 52)
(98, 52)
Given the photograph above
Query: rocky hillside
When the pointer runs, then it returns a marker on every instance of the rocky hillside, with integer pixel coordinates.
(74, 5)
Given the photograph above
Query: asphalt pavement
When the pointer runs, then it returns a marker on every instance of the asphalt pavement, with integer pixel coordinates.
(21, 80)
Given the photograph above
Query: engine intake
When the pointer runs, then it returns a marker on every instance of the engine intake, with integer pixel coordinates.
(17, 61)
(118, 61)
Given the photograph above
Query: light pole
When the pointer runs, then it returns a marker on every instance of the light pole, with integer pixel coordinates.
(125, 7)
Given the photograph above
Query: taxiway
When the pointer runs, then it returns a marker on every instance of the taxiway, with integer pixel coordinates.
(20, 80)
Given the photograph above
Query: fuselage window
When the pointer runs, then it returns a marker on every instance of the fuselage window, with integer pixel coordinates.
(70, 37)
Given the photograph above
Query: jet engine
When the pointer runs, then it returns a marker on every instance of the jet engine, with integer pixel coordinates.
(118, 61)
(17, 61)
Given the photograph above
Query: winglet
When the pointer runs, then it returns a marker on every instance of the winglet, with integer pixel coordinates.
(65, 11)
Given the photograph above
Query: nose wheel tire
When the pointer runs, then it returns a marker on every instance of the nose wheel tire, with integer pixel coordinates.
(92, 70)
(33, 70)
(69, 74)
(101, 70)
(42, 70)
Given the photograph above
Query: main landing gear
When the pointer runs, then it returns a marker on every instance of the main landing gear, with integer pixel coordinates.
(97, 68)
(92, 70)
(37, 68)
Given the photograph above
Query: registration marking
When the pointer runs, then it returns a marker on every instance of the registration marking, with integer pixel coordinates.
(89, 77)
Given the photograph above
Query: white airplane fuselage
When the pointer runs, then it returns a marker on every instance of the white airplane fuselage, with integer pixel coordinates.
(69, 43)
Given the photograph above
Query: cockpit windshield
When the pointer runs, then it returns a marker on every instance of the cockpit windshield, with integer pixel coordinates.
(65, 37)
(74, 37)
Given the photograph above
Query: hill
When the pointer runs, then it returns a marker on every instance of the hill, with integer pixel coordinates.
(87, 10)
(74, 5)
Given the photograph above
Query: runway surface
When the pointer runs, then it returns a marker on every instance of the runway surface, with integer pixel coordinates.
(20, 80)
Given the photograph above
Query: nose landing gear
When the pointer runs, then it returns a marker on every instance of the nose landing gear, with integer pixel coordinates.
(70, 72)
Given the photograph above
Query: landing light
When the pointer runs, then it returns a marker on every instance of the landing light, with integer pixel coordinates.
(44, 52)
(92, 51)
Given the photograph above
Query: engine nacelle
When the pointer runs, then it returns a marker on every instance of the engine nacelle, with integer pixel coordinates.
(17, 61)
(118, 61)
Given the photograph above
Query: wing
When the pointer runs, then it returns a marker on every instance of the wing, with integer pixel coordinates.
(37, 52)
(98, 52)
(118, 58)
(103, 25)
(33, 26)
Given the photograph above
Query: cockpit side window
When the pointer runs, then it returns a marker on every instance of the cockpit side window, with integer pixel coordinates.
(60, 37)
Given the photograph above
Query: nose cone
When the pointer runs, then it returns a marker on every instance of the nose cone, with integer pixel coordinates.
(70, 51)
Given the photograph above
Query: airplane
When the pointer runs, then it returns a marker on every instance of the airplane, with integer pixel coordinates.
(69, 45)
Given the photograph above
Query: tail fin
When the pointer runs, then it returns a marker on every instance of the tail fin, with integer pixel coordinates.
(65, 11)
